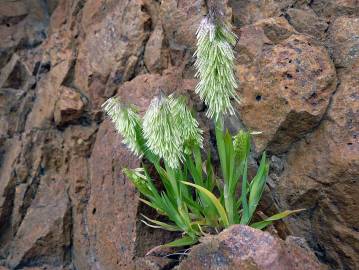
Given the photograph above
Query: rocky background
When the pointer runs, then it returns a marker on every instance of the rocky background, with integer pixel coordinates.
(64, 203)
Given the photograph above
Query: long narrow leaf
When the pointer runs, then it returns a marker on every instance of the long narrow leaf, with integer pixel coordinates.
(245, 214)
(161, 224)
(184, 241)
(258, 185)
(264, 223)
(221, 148)
(214, 200)
(210, 181)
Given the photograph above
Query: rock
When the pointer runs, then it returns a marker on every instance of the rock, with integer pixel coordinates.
(42, 114)
(10, 150)
(23, 24)
(153, 263)
(11, 9)
(61, 188)
(306, 21)
(79, 141)
(242, 247)
(335, 8)
(111, 218)
(248, 12)
(15, 74)
(155, 58)
(114, 41)
(180, 23)
(297, 79)
(321, 175)
(44, 234)
(68, 107)
(344, 37)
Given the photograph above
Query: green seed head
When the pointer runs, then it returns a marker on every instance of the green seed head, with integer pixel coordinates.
(215, 63)
(168, 126)
(127, 123)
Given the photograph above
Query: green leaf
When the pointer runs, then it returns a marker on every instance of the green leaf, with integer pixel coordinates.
(245, 215)
(257, 185)
(161, 225)
(221, 148)
(184, 241)
(198, 160)
(229, 155)
(264, 223)
(214, 200)
(210, 181)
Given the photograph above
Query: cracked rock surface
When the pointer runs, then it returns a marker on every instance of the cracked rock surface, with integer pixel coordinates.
(64, 202)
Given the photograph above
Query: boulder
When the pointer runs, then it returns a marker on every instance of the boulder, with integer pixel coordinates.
(248, 12)
(242, 247)
(285, 84)
(344, 41)
(321, 175)
(308, 22)
(331, 9)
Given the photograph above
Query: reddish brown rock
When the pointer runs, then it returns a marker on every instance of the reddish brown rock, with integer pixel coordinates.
(155, 57)
(53, 180)
(153, 263)
(344, 41)
(11, 150)
(253, 38)
(180, 21)
(115, 36)
(44, 234)
(248, 12)
(15, 74)
(23, 24)
(68, 107)
(321, 175)
(285, 89)
(242, 247)
(334, 8)
(306, 21)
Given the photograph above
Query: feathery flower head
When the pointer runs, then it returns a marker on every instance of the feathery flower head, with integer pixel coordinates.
(191, 134)
(162, 136)
(215, 63)
(127, 123)
(169, 128)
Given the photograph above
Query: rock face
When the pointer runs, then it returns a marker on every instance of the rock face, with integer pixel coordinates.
(64, 202)
(321, 175)
(242, 247)
(288, 77)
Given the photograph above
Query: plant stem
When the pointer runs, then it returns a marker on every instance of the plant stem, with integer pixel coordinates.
(221, 147)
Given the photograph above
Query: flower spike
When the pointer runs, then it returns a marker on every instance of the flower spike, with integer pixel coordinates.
(215, 63)
(191, 134)
(162, 136)
(127, 123)
(169, 128)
